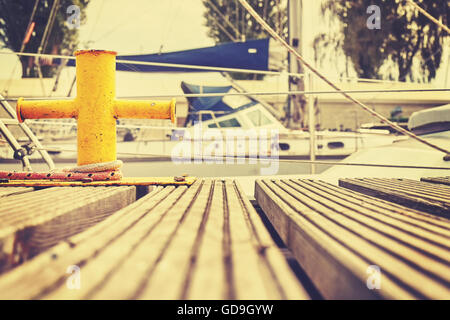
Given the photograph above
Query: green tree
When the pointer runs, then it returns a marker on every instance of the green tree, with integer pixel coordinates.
(14, 18)
(406, 42)
(228, 21)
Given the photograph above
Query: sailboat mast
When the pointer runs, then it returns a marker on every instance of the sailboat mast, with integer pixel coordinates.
(297, 103)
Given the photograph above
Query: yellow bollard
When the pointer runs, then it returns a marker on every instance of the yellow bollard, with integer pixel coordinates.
(95, 107)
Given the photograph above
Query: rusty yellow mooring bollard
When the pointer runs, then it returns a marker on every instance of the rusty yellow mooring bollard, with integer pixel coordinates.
(95, 107)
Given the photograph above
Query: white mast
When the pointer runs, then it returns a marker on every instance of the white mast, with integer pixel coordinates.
(298, 40)
(295, 32)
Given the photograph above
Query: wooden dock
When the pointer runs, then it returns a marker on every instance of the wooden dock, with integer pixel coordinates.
(206, 240)
(339, 237)
(201, 242)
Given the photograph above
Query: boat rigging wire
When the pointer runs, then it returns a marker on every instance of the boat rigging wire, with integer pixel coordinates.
(266, 159)
(269, 93)
(161, 64)
(210, 3)
(197, 67)
(429, 16)
(146, 127)
(299, 57)
(44, 41)
(22, 47)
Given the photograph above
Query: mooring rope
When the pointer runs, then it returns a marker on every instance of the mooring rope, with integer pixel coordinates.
(86, 173)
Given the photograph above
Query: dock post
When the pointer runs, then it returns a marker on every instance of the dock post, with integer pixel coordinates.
(95, 107)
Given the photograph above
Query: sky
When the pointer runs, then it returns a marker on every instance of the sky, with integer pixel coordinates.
(143, 26)
(136, 26)
(150, 26)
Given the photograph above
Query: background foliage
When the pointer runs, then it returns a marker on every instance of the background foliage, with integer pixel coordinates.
(408, 45)
(14, 18)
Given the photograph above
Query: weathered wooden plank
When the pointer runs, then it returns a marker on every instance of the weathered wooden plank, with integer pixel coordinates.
(178, 242)
(336, 234)
(267, 258)
(31, 222)
(101, 266)
(390, 212)
(438, 180)
(416, 188)
(423, 196)
(209, 274)
(9, 191)
(31, 280)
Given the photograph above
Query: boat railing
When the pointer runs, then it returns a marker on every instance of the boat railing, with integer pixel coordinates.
(21, 152)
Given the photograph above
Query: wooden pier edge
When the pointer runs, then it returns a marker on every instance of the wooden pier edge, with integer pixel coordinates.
(337, 235)
(34, 221)
(331, 276)
(437, 180)
(403, 197)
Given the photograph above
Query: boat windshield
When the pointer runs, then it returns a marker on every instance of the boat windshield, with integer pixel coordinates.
(258, 118)
(229, 123)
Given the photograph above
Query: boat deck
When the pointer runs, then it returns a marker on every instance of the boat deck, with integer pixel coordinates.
(208, 241)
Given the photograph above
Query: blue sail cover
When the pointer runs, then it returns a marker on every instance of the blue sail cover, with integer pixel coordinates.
(209, 103)
(252, 54)
(206, 103)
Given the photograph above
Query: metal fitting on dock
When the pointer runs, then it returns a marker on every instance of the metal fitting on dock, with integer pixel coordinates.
(95, 107)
